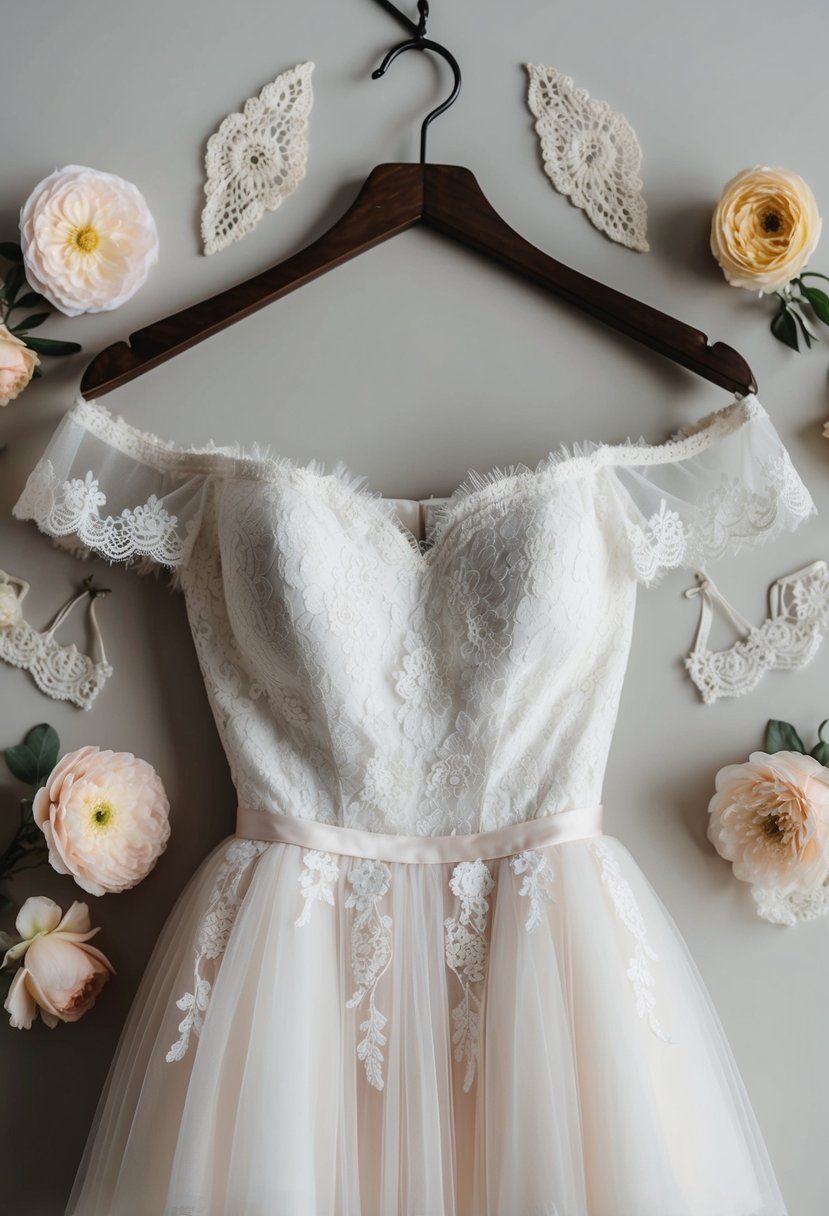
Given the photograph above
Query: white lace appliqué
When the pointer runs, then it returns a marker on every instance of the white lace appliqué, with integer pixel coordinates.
(789, 637)
(466, 952)
(591, 154)
(256, 158)
(61, 672)
(214, 931)
(624, 902)
(537, 881)
(371, 953)
(316, 882)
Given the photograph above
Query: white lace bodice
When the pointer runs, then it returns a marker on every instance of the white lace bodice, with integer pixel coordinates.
(361, 678)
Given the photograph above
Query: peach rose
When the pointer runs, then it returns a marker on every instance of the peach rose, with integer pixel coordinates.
(105, 818)
(88, 239)
(765, 228)
(770, 818)
(62, 975)
(17, 365)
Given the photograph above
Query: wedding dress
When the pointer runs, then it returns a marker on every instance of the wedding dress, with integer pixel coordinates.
(419, 979)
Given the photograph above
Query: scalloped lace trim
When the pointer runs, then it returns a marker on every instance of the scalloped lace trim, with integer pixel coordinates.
(61, 672)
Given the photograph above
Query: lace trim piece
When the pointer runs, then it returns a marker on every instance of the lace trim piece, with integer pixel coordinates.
(257, 158)
(792, 908)
(73, 507)
(61, 672)
(214, 932)
(537, 881)
(316, 882)
(466, 953)
(638, 971)
(789, 638)
(371, 954)
(591, 154)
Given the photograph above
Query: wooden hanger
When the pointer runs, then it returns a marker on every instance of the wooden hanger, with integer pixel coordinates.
(393, 198)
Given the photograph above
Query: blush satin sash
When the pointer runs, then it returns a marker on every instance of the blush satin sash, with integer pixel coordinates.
(356, 842)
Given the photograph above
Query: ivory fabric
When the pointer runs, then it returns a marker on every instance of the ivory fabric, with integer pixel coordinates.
(331, 1027)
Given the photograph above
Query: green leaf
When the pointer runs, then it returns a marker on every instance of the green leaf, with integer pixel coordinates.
(11, 251)
(22, 763)
(813, 274)
(819, 301)
(782, 737)
(784, 329)
(48, 346)
(821, 753)
(32, 299)
(32, 322)
(44, 744)
(13, 282)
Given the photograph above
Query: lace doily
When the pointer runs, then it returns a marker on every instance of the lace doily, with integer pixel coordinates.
(591, 154)
(256, 159)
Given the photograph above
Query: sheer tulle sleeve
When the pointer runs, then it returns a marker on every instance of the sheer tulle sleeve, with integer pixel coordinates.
(723, 484)
(103, 486)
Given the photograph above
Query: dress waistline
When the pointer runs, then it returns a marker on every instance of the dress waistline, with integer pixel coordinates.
(537, 833)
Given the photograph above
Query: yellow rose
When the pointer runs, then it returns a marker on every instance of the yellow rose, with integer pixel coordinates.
(17, 363)
(765, 228)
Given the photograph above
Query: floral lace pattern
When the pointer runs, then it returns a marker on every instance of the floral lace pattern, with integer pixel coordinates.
(536, 885)
(316, 882)
(466, 952)
(214, 932)
(256, 158)
(792, 908)
(591, 154)
(371, 953)
(639, 973)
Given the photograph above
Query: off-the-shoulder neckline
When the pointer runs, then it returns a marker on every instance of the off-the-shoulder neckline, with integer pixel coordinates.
(259, 461)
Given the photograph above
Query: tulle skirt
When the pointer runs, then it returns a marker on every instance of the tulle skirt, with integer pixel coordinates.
(537, 1045)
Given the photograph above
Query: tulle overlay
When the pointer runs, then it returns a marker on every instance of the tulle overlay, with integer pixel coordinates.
(603, 1084)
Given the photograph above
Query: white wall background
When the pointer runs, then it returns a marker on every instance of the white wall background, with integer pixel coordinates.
(415, 363)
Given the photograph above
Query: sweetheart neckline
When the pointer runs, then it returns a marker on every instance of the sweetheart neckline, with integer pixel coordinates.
(257, 461)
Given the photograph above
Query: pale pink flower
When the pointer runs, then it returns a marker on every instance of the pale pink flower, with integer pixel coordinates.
(61, 975)
(88, 239)
(17, 364)
(105, 817)
(770, 818)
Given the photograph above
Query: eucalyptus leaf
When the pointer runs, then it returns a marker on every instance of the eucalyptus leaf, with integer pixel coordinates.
(32, 299)
(13, 282)
(48, 346)
(782, 737)
(784, 329)
(22, 763)
(821, 753)
(44, 744)
(819, 301)
(10, 251)
(32, 322)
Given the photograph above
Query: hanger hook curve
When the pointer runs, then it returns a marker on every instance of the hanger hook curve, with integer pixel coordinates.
(421, 43)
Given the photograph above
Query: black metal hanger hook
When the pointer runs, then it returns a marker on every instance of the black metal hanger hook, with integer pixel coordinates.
(421, 43)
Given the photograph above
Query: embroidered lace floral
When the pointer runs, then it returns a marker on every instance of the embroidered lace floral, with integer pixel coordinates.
(591, 154)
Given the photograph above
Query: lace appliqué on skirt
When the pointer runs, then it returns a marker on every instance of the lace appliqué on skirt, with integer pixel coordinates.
(371, 953)
(214, 932)
(466, 952)
(537, 880)
(638, 971)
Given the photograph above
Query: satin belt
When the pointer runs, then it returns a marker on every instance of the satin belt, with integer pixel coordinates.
(417, 850)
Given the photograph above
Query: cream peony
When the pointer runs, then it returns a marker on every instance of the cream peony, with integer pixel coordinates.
(765, 228)
(88, 239)
(61, 975)
(770, 818)
(17, 365)
(105, 818)
(10, 609)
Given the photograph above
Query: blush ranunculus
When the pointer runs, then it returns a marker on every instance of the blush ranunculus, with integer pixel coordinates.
(88, 239)
(105, 816)
(17, 365)
(61, 974)
(770, 819)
